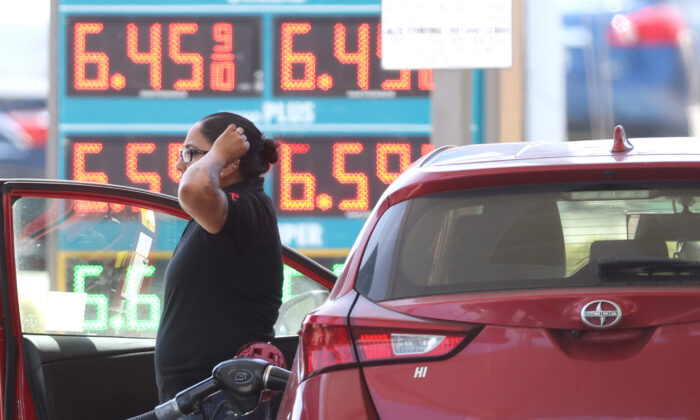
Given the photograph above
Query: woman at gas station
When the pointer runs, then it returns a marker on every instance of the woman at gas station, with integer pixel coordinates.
(223, 285)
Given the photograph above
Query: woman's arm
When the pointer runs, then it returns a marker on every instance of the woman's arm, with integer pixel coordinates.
(199, 192)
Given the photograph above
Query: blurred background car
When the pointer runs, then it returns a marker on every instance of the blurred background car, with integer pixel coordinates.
(23, 135)
(630, 62)
(24, 88)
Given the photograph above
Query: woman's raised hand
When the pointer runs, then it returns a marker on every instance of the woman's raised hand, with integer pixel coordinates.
(232, 144)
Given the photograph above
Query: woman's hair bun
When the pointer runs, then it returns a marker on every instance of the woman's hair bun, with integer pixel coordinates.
(269, 151)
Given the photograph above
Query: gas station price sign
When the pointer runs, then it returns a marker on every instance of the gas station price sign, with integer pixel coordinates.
(321, 176)
(131, 56)
(338, 57)
(132, 77)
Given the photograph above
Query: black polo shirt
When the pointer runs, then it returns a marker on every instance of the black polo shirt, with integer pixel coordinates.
(221, 291)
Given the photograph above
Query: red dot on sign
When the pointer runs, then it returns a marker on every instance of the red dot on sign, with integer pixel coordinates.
(324, 81)
(117, 81)
(324, 202)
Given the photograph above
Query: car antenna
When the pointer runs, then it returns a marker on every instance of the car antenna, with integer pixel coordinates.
(620, 142)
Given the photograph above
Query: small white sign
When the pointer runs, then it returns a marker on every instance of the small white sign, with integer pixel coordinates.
(143, 246)
(65, 311)
(446, 34)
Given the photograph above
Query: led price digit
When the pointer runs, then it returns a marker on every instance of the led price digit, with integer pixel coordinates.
(175, 33)
(133, 150)
(360, 58)
(288, 273)
(81, 58)
(134, 274)
(81, 174)
(173, 157)
(402, 150)
(291, 57)
(154, 57)
(288, 178)
(361, 200)
(98, 300)
(222, 69)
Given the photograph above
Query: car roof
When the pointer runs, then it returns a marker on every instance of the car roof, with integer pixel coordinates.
(499, 164)
(546, 153)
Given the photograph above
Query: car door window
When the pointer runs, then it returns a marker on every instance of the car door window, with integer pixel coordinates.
(91, 267)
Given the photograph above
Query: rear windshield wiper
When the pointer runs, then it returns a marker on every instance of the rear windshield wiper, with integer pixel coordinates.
(649, 269)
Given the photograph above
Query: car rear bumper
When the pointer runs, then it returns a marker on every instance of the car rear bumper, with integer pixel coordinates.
(337, 395)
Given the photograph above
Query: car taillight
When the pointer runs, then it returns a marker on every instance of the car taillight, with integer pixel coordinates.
(329, 341)
(377, 344)
(326, 344)
(649, 26)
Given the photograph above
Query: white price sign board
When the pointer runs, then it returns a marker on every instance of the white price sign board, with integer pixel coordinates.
(446, 34)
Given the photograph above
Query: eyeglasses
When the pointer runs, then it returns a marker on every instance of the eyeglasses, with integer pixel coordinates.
(187, 154)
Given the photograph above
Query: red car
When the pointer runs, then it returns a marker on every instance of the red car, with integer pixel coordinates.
(517, 281)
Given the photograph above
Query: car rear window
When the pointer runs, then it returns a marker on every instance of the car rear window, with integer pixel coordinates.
(525, 238)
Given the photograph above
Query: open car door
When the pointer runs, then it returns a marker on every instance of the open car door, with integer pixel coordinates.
(82, 280)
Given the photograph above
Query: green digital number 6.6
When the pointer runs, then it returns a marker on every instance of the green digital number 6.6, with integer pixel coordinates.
(133, 300)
